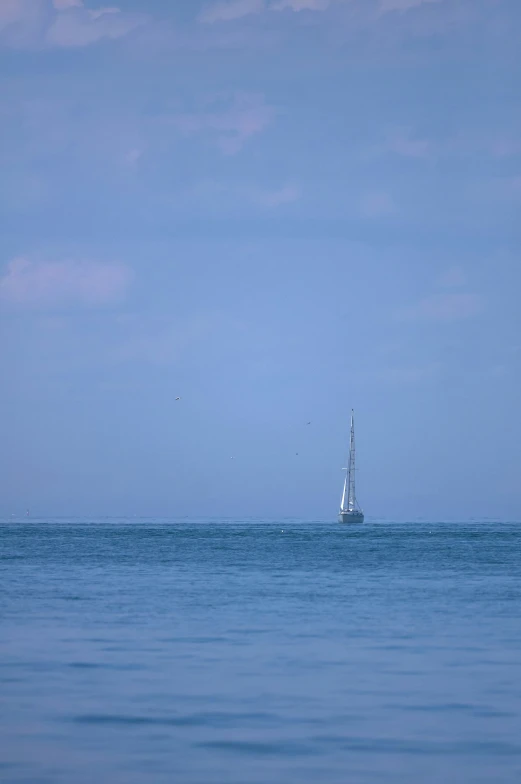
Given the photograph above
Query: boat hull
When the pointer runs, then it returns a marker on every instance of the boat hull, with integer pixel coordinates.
(351, 517)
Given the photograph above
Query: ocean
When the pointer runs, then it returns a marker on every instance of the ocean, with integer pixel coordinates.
(259, 652)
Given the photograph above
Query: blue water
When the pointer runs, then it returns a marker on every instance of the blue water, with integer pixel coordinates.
(259, 653)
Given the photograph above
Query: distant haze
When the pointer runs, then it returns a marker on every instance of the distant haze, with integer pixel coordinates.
(276, 211)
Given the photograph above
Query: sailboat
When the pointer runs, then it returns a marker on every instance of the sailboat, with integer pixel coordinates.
(350, 511)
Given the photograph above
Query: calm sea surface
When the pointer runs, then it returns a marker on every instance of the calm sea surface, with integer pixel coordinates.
(226, 652)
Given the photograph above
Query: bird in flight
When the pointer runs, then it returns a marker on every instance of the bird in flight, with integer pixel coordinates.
(178, 398)
(308, 423)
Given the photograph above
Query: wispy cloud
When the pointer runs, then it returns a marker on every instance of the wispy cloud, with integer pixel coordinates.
(65, 24)
(244, 116)
(132, 157)
(377, 204)
(494, 143)
(11, 11)
(276, 198)
(227, 197)
(21, 21)
(402, 5)
(404, 142)
(80, 26)
(161, 342)
(300, 5)
(503, 146)
(453, 306)
(45, 283)
(453, 278)
(62, 5)
(408, 374)
(407, 142)
(231, 10)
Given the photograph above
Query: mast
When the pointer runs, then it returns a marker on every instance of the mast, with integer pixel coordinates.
(351, 498)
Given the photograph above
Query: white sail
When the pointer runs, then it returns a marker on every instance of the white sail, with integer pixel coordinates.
(344, 494)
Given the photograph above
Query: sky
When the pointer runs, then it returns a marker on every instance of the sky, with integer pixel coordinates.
(276, 210)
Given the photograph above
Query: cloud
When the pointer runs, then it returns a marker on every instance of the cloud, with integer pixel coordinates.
(244, 117)
(62, 5)
(41, 283)
(444, 307)
(236, 9)
(406, 142)
(11, 11)
(62, 23)
(159, 343)
(511, 186)
(237, 198)
(505, 146)
(402, 5)
(402, 142)
(453, 278)
(21, 21)
(409, 374)
(133, 156)
(79, 26)
(301, 5)
(377, 204)
(276, 198)
(228, 11)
